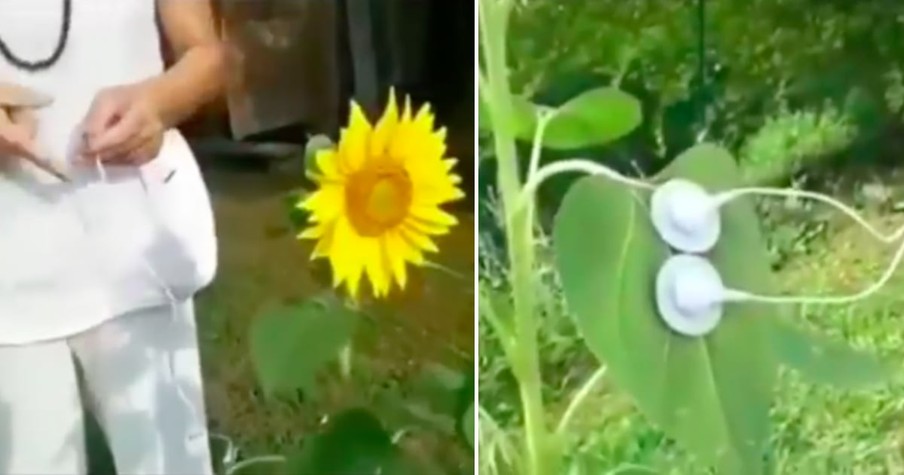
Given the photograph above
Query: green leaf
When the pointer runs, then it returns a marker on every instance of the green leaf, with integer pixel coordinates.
(596, 117)
(524, 117)
(711, 394)
(823, 361)
(434, 398)
(298, 217)
(291, 344)
(467, 424)
(353, 443)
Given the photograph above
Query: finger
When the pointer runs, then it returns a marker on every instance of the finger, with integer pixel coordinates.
(115, 139)
(119, 154)
(18, 141)
(19, 96)
(5, 117)
(48, 167)
(26, 119)
(140, 153)
(146, 152)
(103, 112)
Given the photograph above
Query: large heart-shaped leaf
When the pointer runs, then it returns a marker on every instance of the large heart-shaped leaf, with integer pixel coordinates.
(711, 394)
(821, 360)
(291, 344)
(353, 443)
(595, 117)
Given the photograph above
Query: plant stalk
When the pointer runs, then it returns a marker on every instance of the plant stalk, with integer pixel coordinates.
(493, 16)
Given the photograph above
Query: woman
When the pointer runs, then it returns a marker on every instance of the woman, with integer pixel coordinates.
(98, 269)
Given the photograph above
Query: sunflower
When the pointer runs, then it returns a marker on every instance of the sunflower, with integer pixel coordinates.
(378, 197)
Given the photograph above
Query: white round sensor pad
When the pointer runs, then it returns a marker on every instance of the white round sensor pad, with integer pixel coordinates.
(685, 216)
(689, 295)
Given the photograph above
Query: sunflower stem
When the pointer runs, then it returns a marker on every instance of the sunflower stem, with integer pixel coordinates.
(493, 18)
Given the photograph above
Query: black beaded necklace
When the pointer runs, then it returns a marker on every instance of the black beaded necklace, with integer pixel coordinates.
(47, 63)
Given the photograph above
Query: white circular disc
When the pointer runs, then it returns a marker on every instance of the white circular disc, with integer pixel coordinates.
(689, 295)
(684, 217)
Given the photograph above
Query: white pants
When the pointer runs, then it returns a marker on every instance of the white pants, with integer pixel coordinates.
(142, 377)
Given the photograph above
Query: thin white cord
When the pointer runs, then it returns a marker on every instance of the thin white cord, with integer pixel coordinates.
(729, 195)
(837, 300)
(574, 165)
(740, 295)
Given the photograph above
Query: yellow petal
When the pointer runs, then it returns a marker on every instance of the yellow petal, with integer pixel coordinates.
(322, 248)
(313, 232)
(327, 164)
(432, 214)
(345, 256)
(418, 239)
(396, 251)
(424, 119)
(440, 134)
(385, 129)
(427, 228)
(353, 143)
(324, 233)
(406, 113)
(431, 196)
(374, 264)
(327, 203)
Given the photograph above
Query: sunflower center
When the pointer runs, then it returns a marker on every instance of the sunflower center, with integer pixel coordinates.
(378, 198)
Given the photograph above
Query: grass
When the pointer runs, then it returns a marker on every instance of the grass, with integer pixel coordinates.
(816, 430)
(262, 265)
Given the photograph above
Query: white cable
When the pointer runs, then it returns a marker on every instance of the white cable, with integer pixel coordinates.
(586, 166)
(736, 295)
(729, 195)
(573, 165)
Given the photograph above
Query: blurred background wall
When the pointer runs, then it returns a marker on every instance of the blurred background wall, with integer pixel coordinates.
(295, 64)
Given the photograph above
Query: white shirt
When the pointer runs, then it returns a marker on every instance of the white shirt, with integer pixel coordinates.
(75, 255)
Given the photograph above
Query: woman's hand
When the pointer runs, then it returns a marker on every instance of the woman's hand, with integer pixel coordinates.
(17, 134)
(123, 127)
(126, 124)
